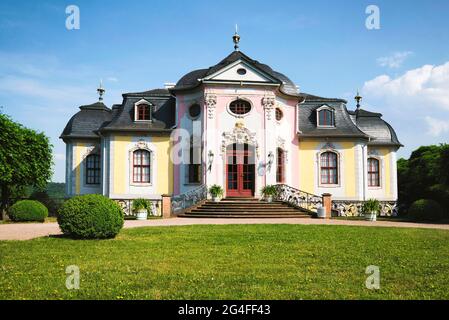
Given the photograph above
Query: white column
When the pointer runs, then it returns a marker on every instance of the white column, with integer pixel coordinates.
(268, 103)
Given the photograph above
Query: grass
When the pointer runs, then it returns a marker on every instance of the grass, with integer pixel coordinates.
(232, 262)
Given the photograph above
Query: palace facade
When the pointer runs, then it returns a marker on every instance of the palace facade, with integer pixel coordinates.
(239, 124)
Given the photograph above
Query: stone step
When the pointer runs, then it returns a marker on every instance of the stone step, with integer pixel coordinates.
(273, 207)
(243, 210)
(243, 216)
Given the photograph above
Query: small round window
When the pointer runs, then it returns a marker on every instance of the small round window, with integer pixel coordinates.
(241, 71)
(240, 107)
(194, 111)
(279, 114)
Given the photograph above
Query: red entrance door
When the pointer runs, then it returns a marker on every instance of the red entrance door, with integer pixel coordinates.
(240, 171)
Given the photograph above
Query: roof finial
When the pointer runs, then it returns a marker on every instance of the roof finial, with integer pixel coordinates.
(236, 38)
(358, 98)
(101, 91)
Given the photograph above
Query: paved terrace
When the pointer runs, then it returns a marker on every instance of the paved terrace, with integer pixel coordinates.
(26, 231)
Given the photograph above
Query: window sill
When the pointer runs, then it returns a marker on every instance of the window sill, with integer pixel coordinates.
(141, 184)
(329, 186)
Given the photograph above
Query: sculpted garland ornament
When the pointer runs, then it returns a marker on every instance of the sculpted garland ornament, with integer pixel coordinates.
(239, 135)
(268, 103)
(211, 102)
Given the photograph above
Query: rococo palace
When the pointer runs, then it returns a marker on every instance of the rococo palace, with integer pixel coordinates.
(237, 124)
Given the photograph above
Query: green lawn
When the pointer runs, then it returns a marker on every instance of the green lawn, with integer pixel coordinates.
(232, 262)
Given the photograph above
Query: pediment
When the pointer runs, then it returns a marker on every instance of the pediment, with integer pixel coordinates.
(241, 71)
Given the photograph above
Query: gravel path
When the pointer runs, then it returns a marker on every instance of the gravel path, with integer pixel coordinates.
(26, 231)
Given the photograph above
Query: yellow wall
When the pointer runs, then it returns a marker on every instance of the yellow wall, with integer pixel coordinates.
(307, 158)
(164, 176)
(164, 165)
(349, 168)
(120, 163)
(308, 169)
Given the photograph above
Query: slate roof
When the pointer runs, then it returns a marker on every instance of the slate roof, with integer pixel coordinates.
(97, 118)
(163, 116)
(192, 79)
(344, 127)
(381, 132)
(86, 122)
(357, 124)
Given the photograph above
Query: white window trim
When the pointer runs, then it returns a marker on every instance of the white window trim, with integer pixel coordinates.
(379, 187)
(240, 116)
(138, 103)
(324, 185)
(131, 167)
(325, 107)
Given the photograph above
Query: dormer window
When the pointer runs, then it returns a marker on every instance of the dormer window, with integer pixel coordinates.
(142, 111)
(325, 117)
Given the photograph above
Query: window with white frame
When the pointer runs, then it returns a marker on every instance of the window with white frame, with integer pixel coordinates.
(325, 117)
(142, 111)
(141, 166)
(373, 172)
(328, 168)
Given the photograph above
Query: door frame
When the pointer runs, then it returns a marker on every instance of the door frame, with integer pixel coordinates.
(240, 154)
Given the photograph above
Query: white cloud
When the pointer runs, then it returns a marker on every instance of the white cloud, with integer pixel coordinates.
(395, 60)
(436, 127)
(427, 85)
(35, 88)
(112, 79)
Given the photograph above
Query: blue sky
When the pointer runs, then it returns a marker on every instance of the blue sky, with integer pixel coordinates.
(402, 69)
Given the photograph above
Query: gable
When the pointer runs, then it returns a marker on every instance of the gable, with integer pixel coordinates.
(241, 71)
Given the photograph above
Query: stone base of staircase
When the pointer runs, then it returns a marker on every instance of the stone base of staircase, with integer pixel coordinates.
(244, 208)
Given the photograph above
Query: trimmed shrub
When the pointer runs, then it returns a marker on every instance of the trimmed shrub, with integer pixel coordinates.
(28, 210)
(440, 193)
(91, 216)
(425, 210)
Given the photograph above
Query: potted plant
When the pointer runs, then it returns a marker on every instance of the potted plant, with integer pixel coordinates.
(141, 207)
(216, 192)
(269, 191)
(371, 209)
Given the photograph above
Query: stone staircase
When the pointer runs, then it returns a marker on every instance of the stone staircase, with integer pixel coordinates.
(244, 208)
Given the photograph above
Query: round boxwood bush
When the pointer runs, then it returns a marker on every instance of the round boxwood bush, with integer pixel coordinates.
(425, 210)
(91, 216)
(28, 210)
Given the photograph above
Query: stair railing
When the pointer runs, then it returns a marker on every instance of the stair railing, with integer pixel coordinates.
(189, 199)
(298, 198)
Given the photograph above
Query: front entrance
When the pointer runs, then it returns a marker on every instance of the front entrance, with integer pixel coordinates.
(240, 170)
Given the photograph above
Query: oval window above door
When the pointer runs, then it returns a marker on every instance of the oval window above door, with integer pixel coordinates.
(240, 107)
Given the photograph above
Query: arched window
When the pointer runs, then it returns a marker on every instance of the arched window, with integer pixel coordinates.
(279, 114)
(326, 118)
(329, 168)
(280, 170)
(240, 107)
(93, 171)
(141, 166)
(143, 112)
(373, 172)
(194, 166)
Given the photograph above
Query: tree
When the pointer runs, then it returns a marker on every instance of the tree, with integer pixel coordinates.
(25, 159)
(425, 175)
